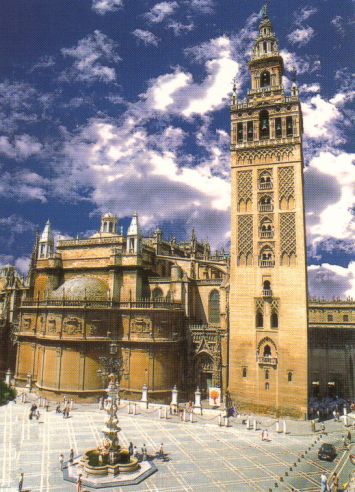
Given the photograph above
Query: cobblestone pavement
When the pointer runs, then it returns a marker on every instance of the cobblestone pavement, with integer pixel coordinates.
(201, 457)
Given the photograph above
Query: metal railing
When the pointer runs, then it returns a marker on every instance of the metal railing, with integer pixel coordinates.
(266, 263)
(266, 234)
(265, 186)
(84, 303)
(267, 293)
(266, 207)
(272, 361)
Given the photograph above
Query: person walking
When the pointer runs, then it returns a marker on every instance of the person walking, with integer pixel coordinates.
(79, 483)
(20, 482)
(335, 484)
(71, 456)
(130, 448)
(161, 450)
(324, 483)
(135, 452)
(71, 404)
(61, 461)
(349, 436)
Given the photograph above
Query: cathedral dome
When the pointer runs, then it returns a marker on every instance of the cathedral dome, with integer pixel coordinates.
(82, 288)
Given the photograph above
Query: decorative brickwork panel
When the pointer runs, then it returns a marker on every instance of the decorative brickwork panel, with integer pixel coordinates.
(245, 185)
(286, 182)
(275, 305)
(266, 154)
(288, 233)
(245, 234)
(259, 304)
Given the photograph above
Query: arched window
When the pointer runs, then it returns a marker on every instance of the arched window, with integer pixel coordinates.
(267, 285)
(267, 351)
(267, 374)
(265, 46)
(267, 386)
(110, 226)
(266, 258)
(213, 307)
(289, 126)
(157, 293)
(289, 377)
(274, 321)
(264, 124)
(265, 79)
(244, 372)
(259, 319)
(265, 182)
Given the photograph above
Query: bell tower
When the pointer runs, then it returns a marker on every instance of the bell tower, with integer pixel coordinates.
(268, 285)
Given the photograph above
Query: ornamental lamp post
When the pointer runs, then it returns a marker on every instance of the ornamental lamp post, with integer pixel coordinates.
(111, 365)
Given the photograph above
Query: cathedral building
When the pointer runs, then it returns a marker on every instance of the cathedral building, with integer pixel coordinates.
(178, 314)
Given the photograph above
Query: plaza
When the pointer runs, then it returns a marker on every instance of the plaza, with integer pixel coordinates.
(200, 456)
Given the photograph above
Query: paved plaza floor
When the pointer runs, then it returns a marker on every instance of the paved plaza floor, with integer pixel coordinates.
(201, 457)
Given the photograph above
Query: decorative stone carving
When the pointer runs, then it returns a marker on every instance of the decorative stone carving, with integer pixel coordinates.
(286, 182)
(288, 233)
(259, 304)
(52, 325)
(275, 152)
(245, 187)
(94, 328)
(245, 234)
(141, 326)
(26, 324)
(72, 326)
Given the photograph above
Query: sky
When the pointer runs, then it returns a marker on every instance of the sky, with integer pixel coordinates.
(122, 106)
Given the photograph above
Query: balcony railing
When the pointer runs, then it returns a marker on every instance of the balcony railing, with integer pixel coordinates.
(266, 234)
(266, 207)
(266, 263)
(85, 303)
(265, 186)
(271, 361)
(267, 293)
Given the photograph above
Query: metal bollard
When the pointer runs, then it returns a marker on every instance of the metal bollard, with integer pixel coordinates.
(159, 412)
(134, 409)
(220, 420)
(226, 421)
(166, 413)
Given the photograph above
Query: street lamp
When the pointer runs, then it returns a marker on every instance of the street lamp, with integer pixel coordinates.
(111, 364)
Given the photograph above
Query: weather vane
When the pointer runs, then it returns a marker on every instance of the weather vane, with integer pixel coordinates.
(265, 8)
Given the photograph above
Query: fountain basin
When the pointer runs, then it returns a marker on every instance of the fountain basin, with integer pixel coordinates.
(123, 463)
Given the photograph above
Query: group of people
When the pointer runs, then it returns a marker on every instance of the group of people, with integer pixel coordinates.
(325, 408)
(331, 486)
(67, 407)
(265, 435)
(143, 456)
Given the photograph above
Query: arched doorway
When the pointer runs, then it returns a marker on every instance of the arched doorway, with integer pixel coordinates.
(203, 372)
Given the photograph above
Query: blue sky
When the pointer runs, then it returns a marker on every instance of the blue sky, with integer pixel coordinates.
(122, 106)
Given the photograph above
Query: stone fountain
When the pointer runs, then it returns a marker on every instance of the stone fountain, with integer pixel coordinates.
(109, 458)
(109, 464)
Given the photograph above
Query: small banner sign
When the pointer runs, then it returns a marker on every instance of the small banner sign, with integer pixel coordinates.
(214, 395)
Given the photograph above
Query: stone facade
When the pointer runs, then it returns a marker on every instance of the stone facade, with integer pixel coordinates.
(268, 300)
(149, 295)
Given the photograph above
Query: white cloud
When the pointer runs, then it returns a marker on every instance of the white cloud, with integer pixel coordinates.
(301, 36)
(331, 281)
(338, 22)
(43, 63)
(22, 264)
(304, 14)
(91, 55)
(24, 185)
(202, 6)
(177, 93)
(309, 88)
(146, 36)
(332, 178)
(103, 6)
(179, 27)
(304, 64)
(21, 147)
(321, 118)
(161, 11)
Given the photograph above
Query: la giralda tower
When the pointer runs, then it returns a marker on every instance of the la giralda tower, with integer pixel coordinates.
(268, 285)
